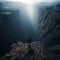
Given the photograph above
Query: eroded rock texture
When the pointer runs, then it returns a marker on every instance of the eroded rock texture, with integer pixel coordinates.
(49, 29)
(24, 51)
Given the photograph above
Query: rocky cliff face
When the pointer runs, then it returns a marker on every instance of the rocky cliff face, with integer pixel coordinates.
(49, 28)
(49, 31)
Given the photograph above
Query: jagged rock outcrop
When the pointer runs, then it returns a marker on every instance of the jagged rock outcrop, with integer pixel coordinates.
(49, 29)
(22, 51)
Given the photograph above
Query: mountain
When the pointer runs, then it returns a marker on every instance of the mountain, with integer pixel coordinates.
(49, 28)
(15, 25)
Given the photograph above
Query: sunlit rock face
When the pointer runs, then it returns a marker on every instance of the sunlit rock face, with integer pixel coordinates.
(22, 51)
(49, 28)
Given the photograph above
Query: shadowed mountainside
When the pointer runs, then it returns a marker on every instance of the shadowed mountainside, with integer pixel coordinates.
(12, 27)
(49, 28)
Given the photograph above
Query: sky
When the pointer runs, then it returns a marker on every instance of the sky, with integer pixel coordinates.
(31, 1)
